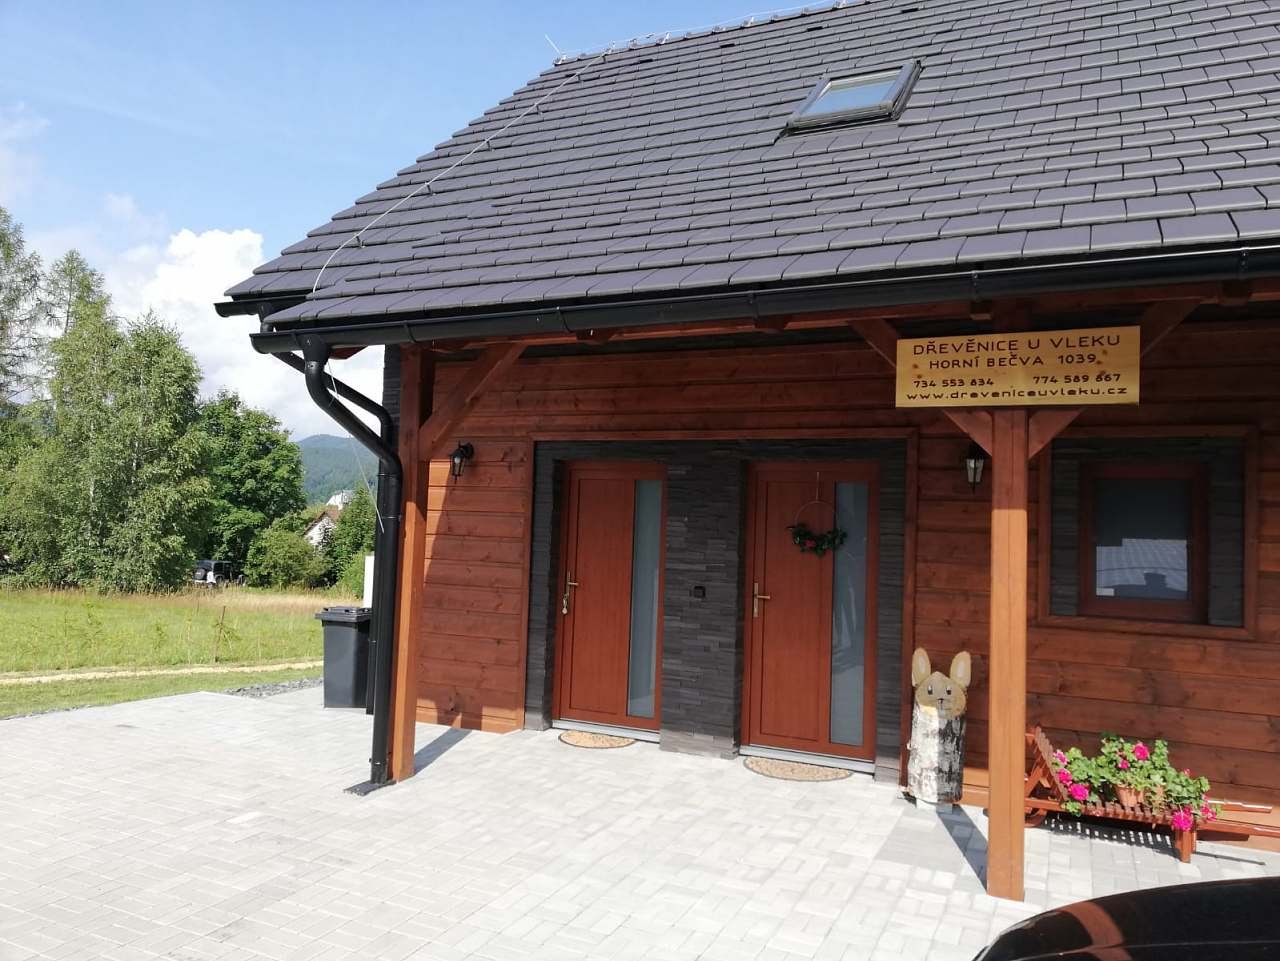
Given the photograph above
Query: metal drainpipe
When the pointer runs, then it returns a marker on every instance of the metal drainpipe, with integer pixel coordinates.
(386, 565)
(387, 431)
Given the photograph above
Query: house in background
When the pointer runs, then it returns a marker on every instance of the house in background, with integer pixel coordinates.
(322, 525)
(678, 298)
(340, 499)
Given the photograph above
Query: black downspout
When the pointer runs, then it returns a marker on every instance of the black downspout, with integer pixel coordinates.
(386, 563)
(387, 431)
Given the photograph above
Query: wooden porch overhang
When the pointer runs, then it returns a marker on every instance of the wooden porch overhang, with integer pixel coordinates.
(1011, 436)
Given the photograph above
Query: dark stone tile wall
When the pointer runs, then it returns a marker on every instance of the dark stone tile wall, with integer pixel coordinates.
(1225, 457)
(391, 382)
(702, 654)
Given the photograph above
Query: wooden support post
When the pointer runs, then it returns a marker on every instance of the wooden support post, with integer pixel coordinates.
(1007, 657)
(417, 383)
(424, 429)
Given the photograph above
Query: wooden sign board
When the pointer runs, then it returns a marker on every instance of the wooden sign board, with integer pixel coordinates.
(1069, 368)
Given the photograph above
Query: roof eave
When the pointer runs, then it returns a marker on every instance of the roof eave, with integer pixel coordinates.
(979, 283)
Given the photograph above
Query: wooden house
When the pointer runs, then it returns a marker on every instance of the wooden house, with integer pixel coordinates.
(690, 297)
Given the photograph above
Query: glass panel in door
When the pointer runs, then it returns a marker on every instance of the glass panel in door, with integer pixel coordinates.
(849, 616)
(646, 569)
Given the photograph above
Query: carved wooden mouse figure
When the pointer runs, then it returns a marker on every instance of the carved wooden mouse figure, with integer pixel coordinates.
(935, 768)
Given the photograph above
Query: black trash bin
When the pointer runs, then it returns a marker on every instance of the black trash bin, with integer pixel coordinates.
(346, 655)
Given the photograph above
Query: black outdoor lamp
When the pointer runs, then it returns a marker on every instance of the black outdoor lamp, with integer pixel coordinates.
(458, 459)
(974, 462)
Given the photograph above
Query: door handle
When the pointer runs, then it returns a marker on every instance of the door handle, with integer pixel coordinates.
(564, 600)
(756, 598)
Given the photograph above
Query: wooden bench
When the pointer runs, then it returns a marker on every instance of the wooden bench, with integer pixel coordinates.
(1045, 793)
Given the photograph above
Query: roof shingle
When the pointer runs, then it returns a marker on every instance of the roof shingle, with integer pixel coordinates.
(1038, 128)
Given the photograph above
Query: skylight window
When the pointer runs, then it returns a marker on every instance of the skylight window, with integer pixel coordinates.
(859, 98)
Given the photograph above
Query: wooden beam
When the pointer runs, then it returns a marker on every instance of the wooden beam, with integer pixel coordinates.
(490, 365)
(1007, 657)
(1159, 319)
(417, 383)
(1011, 315)
(975, 423)
(981, 310)
(879, 335)
(775, 323)
(1236, 293)
(1046, 425)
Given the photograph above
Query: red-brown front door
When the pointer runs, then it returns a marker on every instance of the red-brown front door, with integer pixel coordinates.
(810, 619)
(608, 659)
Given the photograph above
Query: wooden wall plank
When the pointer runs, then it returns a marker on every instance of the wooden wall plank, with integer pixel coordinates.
(477, 530)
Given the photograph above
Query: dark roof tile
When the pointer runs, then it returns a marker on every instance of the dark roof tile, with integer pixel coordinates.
(1035, 130)
(1198, 229)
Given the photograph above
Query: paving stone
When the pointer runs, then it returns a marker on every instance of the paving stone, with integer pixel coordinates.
(214, 827)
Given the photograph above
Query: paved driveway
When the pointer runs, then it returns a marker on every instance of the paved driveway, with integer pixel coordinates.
(208, 826)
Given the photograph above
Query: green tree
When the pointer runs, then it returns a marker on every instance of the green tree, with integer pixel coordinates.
(69, 290)
(256, 476)
(281, 556)
(20, 336)
(352, 536)
(117, 496)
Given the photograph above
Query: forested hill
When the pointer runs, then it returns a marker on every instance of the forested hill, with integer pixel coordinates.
(331, 464)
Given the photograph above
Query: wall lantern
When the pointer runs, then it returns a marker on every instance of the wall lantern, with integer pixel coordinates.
(974, 462)
(458, 459)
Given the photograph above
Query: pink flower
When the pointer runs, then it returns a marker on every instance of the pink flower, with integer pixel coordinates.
(1140, 751)
(1079, 792)
(1064, 776)
(1123, 764)
(1207, 812)
(1059, 757)
(1186, 772)
(1182, 820)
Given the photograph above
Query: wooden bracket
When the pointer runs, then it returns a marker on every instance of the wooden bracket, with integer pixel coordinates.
(1159, 319)
(879, 335)
(1045, 425)
(491, 364)
(1042, 426)
(975, 423)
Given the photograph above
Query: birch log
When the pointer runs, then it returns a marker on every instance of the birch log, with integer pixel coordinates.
(935, 768)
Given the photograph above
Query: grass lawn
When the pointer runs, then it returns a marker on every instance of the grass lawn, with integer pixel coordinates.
(18, 699)
(64, 630)
(45, 632)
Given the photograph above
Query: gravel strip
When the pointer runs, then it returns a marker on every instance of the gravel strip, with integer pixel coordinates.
(280, 687)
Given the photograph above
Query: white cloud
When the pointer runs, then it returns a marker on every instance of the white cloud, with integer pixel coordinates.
(181, 281)
(19, 171)
(180, 275)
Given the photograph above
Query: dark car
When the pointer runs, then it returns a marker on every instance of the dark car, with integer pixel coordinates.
(210, 573)
(1213, 921)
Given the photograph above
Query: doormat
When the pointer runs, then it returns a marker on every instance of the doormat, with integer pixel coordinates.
(595, 741)
(794, 770)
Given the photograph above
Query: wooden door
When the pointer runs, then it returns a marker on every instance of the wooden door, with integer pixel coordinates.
(810, 620)
(609, 650)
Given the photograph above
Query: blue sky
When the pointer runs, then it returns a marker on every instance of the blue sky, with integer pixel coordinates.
(177, 144)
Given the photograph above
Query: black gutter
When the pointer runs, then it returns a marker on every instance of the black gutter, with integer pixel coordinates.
(1235, 263)
(386, 564)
